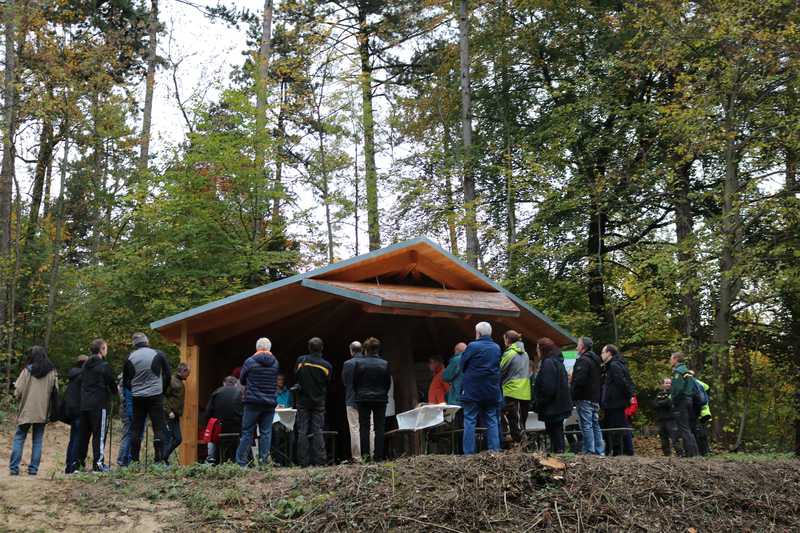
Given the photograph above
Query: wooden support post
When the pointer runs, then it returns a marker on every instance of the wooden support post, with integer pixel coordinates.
(191, 356)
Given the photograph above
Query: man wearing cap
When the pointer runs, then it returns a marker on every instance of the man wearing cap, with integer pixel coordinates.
(147, 375)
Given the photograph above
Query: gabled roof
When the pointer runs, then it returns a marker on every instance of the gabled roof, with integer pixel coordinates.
(420, 258)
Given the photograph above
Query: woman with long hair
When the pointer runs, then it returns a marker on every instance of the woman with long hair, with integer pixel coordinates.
(34, 387)
(552, 401)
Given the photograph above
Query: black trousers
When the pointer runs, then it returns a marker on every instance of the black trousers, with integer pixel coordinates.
(666, 431)
(377, 410)
(515, 416)
(93, 424)
(681, 411)
(555, 432)
(309, 426)
(615, 419)
(153, 407)
(700, 431)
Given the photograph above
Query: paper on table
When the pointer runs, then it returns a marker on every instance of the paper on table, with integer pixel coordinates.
(534, 424)
(426, 416)
(285, 416)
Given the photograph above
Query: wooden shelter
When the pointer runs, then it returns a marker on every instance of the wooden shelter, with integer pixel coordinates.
(418, 299)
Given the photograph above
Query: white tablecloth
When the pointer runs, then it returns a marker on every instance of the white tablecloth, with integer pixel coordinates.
(285, 416)
(534, 424)
(426, 416)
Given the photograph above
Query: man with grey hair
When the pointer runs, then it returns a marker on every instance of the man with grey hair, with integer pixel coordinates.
(480, 389)
(263, 345)
(259, 378)
(587, 385)
(356, 351)
(147, 375)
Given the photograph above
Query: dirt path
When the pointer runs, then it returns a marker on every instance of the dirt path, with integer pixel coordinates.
(47, 502)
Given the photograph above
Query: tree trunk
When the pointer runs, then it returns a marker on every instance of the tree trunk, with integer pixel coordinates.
(147, 118)
(511, 205)
(43, 159)
(684, 231)
(452, 228)
(596, 285)
(729, 284)
(356, 195)
(98, 180)
(325, 186)
(12, 300)
(792, 179)
(368, 125)
(56, 260)
(470, 219)
(277, 191)
(262, 78)
(48, 182)
(9, 132)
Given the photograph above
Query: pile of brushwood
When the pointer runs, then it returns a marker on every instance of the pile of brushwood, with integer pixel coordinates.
(522, 492)
(508, 492)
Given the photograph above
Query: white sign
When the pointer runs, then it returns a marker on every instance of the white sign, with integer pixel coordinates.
(285, 416)
(426, 416)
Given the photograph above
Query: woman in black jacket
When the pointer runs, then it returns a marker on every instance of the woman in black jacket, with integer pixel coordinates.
(551, 396)
(618, 390)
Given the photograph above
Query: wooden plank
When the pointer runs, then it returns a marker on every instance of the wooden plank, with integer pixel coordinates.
(420, 298)
(191, 403)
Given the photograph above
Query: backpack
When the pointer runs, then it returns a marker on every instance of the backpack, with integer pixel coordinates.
(699, 395)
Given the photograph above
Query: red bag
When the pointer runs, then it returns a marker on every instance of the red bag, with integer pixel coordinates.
(632, 408)
(212, 431)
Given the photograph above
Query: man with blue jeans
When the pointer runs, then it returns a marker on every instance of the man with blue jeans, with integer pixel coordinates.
(586, 387)
(480, 388)
(259, 377)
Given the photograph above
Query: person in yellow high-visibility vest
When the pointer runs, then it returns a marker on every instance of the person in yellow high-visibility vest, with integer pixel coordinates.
(700, 427)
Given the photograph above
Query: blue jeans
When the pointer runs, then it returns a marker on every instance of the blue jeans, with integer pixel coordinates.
(472, 410)
(261, 415)
(73, 448)
(19, 444)
(589, 420)
(124, 453)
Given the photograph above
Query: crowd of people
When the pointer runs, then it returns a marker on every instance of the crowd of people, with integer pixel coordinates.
(495, 388)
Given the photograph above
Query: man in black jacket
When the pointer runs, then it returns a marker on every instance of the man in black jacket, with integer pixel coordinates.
(617, 394)
(665, 417)
(226, 406)
(97, 388)
(313, 374)
(587, 382)
(356, 352)
(371, 381)
(72, 414)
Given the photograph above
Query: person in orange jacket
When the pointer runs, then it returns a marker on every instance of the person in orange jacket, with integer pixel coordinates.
(437, 391)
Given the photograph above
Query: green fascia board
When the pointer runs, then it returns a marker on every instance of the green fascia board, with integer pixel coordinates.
(299, 278)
